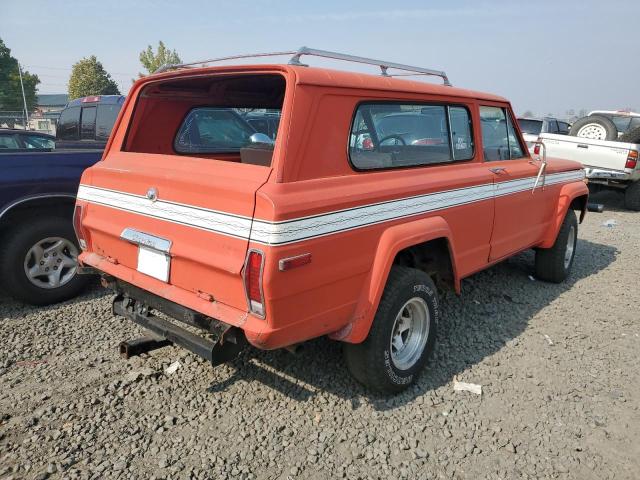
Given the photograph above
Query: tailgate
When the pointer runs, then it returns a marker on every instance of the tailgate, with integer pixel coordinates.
(591, 153)
(198, 210)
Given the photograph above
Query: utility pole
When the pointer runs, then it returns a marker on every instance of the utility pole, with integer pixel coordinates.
(24, 100)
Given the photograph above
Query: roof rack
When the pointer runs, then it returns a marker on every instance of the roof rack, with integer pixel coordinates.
(296, 55)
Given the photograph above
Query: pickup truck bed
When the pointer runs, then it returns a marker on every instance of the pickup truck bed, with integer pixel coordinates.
(608, 164)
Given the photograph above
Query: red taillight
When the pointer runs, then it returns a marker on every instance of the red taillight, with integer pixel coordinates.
(92, 98)
(81, 232)
(367, 144)
(253, 282)
(632, 159)
(536, 149)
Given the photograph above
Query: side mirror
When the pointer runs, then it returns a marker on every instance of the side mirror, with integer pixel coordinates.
(261, 138)
(543, 163)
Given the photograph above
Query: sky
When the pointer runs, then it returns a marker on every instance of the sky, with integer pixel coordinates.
(544, 56)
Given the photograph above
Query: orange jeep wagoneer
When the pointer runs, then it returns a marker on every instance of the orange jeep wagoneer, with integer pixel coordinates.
(375, 189)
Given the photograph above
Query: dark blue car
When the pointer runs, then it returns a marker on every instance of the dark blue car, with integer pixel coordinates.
(37, 195)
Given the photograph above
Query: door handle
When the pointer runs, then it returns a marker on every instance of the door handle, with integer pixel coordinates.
(582, 145)
(498, 170)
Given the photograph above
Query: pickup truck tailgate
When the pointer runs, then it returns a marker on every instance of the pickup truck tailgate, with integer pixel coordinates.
(603, 154)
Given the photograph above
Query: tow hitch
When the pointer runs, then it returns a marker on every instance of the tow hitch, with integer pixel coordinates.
(226, 344)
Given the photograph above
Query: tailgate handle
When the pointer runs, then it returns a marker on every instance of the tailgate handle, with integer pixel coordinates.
(141, 238)
(582, 145)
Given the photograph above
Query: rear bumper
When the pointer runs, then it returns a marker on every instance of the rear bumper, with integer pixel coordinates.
(595, 174)
(145, 288)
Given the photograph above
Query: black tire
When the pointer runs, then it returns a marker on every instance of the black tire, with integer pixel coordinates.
(631, 136)
(17, 242)
(580, 128)
(632, 196)
(372, 362)
(552, 264)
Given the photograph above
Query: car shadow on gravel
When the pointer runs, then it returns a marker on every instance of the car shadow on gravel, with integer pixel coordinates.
(613, 200)
(495, 307)
(10, 308)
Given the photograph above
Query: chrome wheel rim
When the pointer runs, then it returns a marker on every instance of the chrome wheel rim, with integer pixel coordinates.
(571, 245)
(594, 131)
(51, 263)
(410, 333)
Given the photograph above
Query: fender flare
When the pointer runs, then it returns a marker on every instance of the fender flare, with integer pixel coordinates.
(568, 193)
(393, 240)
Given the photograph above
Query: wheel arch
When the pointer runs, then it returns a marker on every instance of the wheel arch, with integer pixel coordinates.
(426, 244)
(17, 210)
(572, 196)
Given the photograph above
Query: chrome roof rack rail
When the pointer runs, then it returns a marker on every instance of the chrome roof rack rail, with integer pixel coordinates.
(384, 65)
(296, 55)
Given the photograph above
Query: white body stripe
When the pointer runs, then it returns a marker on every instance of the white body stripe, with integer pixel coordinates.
(290, 231)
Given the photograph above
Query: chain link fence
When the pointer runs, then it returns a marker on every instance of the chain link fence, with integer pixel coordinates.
(38, 122)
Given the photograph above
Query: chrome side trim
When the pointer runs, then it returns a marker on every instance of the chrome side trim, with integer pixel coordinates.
(140, 238)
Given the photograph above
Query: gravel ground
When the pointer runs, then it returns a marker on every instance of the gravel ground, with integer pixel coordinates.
(558, 365)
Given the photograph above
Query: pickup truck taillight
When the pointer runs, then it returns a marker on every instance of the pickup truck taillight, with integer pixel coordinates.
(536, 149)
(253, 268)
(81, 232)
(632, 159)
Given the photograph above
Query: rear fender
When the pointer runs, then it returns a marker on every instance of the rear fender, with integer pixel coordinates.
(574, 195)
(393, 240)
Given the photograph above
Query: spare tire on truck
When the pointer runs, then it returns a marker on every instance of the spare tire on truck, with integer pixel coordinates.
(595, 127)
(631, 136)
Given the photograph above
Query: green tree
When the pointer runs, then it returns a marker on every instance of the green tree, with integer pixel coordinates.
(163, 56)
(10, 90)
(88, 77)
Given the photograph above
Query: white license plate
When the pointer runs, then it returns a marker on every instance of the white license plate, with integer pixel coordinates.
(153, 263)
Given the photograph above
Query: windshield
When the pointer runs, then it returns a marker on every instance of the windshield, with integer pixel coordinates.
(213, 130)
(533, 127)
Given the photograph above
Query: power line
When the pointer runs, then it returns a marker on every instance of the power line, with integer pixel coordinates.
(69, 69)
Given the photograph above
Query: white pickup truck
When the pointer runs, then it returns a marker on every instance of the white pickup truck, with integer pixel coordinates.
(609, 164)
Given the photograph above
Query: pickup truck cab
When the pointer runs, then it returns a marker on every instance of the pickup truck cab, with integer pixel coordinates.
(342, 227)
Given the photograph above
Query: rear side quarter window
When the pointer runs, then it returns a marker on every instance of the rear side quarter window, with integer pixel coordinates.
(396, 135)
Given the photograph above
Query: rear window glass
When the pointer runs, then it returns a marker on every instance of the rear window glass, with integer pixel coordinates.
(621, 122)
(388, 135)
(533, 127)
(213, 130)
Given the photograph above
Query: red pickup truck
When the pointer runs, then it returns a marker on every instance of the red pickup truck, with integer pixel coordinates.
(375, 190)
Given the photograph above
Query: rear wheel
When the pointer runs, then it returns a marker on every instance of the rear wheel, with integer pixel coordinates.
(402, 336)
(38, 261)
(554, 264)
(595, 127)
(632, 196)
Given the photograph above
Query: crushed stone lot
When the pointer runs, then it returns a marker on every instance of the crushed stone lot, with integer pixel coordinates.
(559, 367)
